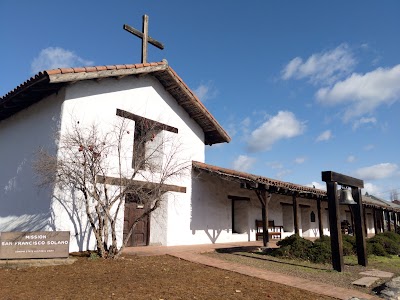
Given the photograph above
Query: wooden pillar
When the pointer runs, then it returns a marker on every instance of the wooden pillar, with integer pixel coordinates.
(389, 224)
(352, 219)
(320, 226)
(395, 221)
(233, 216)
(382, 216)
(359, 230)
(334, 223)
(295, 216)
(375, 222)
(365, 221)
(262, 196)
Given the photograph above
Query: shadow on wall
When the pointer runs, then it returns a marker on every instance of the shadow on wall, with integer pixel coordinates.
(211, 209)
(22, 205)
(38, 222)
(68, 213)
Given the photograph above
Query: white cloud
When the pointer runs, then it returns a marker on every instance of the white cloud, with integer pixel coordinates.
(369, 147)
(243, 163)
(363, 93)
(282, 173)
(324, 136)
(299, 160)
(351, 158)
(325, 67)
(206, 91)
(282, 126)
(275, 165)
(363, 121)
(371, 189)
(56, 57)
(317, 185)
(378, 171)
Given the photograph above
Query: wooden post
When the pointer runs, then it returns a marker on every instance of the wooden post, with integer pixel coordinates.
(365, 221)
(375, 222)
(395, 221)
(382, 216)
(295, 217)
(334, 223)
(233, 216)
(145, 38)
(351, 218)
(359, 230)
(320, 227)
(262, 196)
(389, 225)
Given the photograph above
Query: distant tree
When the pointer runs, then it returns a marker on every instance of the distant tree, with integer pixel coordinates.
(394, 195)
(87, 158)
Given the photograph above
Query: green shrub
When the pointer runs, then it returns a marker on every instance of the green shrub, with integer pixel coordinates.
(376, 249)
(349, 245)
(391, 235)
(294, 247)
(320, 252)
(383, 244)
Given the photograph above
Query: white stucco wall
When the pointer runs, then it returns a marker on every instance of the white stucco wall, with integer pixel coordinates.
(96, 102)
(209, 215)
(23, 206)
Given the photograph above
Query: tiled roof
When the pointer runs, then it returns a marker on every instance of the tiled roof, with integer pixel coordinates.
(274, 185)
(373, 201)
(282, 187)
(48, 82)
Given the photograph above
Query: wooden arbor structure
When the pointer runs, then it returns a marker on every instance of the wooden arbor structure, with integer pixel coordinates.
(332, 179)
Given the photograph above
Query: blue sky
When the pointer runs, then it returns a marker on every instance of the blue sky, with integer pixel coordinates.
(301, 86)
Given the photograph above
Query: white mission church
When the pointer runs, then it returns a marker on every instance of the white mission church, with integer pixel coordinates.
(210, 205)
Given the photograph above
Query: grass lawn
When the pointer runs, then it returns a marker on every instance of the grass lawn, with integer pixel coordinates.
(317, 272)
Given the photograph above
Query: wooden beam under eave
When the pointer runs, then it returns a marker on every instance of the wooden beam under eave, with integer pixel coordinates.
(120, 77)
(142, 184)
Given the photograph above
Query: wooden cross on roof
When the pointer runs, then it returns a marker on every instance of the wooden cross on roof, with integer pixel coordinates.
(144, 35)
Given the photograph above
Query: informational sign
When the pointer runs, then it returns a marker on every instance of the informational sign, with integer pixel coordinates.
(39, 244)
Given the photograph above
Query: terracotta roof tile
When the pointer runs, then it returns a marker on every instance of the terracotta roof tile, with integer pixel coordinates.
(53, 72)
(101, 68)
(91, 69)
(119, 67)
(66, 70)
(79, 70)
(259, 179)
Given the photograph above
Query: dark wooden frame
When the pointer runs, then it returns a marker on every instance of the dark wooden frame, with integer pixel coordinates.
(332, 179)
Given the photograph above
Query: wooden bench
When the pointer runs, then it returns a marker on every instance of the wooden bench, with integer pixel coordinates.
(274, 231)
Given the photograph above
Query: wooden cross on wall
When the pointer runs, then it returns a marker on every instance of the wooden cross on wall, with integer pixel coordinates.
(145, 130)
(144, 35)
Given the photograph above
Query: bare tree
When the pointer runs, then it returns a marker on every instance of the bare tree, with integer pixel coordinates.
(100, 168)
(394, 195)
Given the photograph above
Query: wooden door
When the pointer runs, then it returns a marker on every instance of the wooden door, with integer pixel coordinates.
(140, 235)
